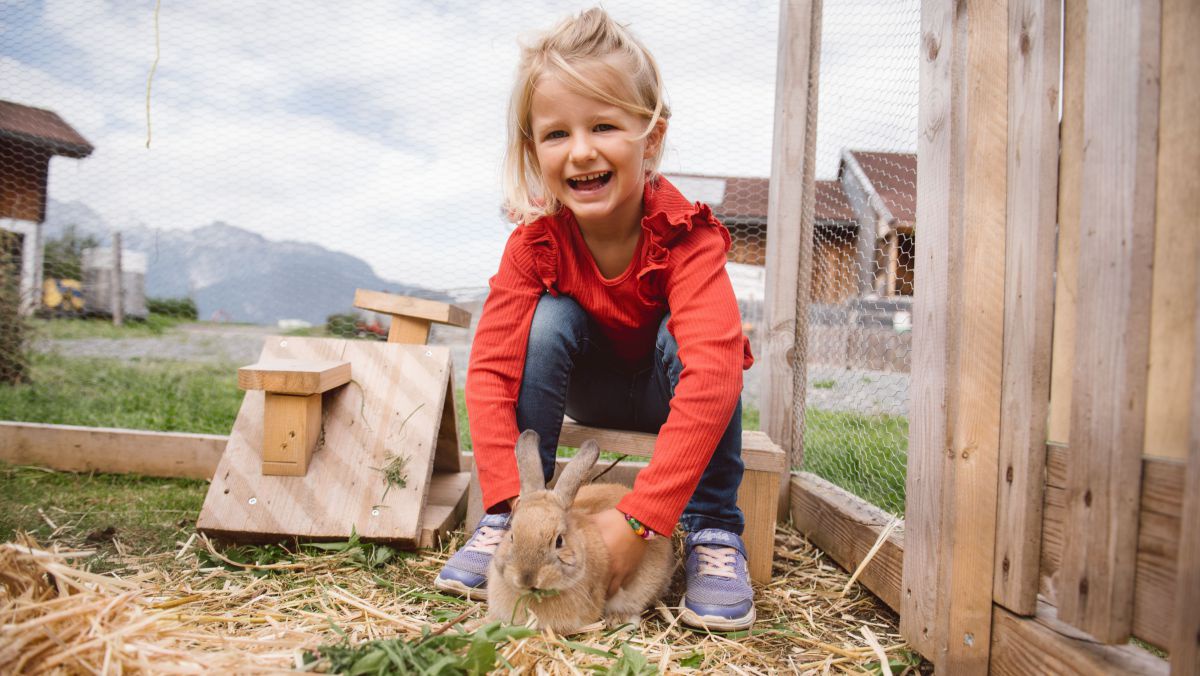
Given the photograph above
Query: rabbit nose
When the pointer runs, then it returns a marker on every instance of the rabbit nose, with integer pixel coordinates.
(527, 581)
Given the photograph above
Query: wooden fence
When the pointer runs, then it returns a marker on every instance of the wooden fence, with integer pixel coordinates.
(1053, 495)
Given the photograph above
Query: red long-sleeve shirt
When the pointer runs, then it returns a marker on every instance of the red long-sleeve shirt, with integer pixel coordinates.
(679, 266)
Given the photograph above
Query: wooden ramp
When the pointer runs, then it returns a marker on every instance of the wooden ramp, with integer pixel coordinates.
(394, 410)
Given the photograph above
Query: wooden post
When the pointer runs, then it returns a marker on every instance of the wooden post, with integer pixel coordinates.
(1185, 644)
(1116, 246)
(1033, 52)
(790, 235)
(118, 295)
(946, 606)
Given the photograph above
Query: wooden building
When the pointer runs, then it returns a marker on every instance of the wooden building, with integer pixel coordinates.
(29, 137)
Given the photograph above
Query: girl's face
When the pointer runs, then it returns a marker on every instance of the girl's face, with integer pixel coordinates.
(590, 156)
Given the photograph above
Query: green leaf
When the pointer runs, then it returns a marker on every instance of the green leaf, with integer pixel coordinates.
(481, 657)
(588, 649)
(692, 661)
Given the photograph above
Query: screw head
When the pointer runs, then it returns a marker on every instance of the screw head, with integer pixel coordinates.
(428, 353)
(253, 501)
(283, 343)
(374, 512)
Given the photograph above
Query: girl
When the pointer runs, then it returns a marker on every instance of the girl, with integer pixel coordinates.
(612, 305)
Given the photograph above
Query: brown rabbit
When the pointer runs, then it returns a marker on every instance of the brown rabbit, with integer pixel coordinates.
(554, 563)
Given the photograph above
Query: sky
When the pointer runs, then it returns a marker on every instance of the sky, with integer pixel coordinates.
(377, 128)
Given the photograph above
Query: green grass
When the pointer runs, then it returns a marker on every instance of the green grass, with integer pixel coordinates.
(74, 329)
(92, 510)
(824, 384)
(165, 396)
(866, 455)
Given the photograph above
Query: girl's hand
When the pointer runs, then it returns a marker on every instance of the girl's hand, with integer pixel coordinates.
(625, 548)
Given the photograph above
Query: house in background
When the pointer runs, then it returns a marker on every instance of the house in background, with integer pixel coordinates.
(29, 137)
(862, 227)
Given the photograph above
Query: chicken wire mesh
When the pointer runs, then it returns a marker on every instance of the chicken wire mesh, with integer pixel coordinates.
(258, 163)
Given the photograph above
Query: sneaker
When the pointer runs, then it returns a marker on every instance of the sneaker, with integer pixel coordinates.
(465, 574)
(718, 596)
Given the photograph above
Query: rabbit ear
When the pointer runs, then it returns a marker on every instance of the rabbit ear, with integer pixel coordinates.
(529, 463)
(577, 470)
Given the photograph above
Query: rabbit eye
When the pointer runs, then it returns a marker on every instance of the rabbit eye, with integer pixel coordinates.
(558, 542)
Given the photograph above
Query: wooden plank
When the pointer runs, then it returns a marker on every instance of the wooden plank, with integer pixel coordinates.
(294, 376)
(446, 507)
(758, 498)
(1070, 178)
(418, 308)
(846, 527)
(408, 330)
(1176, 236)
(393, 412)
(1158, 537)
(1185, 639)
(100, 449)
(759, 452)
(291, 428)
(1045, 645)
(958, 315)
(448, 455)
(1108, 404)
(1034, 39)
(790, 210)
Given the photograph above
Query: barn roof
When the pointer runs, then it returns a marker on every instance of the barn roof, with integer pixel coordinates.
(41, 128)
(893, 177)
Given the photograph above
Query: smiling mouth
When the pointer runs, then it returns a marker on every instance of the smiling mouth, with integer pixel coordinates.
(590, 182)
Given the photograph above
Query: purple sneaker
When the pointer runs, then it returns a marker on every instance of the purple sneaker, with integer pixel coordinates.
(465, 574)
(718, 596)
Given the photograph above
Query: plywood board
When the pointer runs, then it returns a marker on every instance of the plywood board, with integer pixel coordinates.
(391, 409)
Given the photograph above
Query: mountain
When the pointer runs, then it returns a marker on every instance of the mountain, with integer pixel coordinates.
(237, 274)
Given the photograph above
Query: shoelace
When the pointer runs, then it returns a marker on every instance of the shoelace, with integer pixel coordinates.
(718, 561)
(487, 539)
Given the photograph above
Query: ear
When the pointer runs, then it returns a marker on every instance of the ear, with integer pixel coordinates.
(576, 471)
(654, 139)
(529, 463)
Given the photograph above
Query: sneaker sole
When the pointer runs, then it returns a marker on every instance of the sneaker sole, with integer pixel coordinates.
(456, 587)
(714, 623)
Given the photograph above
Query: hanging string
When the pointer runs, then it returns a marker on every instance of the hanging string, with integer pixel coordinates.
(153, 67)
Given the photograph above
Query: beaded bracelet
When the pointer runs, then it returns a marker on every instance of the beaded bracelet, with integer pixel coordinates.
(639, 529)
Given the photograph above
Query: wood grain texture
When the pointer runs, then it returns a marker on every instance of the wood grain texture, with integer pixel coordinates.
(1176, 235)
(1046, 645)
(758, 498)
(1108, 406)
(393, 411)
(407, 306)
(291, 427)
(958, 335)
(845, 527)
(1159, 532)
(100, 449)
(294, 376)
(790, 212)
(445, 508)
(408, 330)
(759, 452)
(1070, 178)
(1033, 50)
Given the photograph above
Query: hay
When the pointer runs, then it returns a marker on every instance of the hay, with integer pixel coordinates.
(197, 610)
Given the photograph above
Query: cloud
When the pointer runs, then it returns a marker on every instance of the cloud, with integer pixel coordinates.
(377, 129)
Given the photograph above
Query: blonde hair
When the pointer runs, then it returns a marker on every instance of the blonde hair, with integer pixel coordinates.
(629, 79)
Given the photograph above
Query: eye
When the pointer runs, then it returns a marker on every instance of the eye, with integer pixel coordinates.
(556, 134)
(604, 127)
(558, 542)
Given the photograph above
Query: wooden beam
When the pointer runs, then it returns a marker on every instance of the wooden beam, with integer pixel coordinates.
(1180, 37)
(101, 449)
(1108, 406)
(759, 452)
(946, 610)
(846, 527)
(1033, 51)
(790, 231)
(1046, 645)
(1176, 235)
(294, 376)
(418, 308)
(1070, 171)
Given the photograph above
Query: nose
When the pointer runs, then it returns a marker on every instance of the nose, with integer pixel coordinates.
(582, 150)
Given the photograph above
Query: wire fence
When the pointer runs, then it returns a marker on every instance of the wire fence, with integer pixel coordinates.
(259, 164)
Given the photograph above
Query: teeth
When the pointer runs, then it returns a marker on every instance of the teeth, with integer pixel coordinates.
(589, 177)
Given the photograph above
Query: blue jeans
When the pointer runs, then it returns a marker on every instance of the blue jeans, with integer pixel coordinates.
(569, 367)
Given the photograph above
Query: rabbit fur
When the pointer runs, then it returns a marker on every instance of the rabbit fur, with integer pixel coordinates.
(573, 569)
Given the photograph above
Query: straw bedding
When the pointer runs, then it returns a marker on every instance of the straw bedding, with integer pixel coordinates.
(196, 610)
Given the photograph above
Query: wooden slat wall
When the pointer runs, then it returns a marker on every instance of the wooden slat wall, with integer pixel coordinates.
(1176, 235)
(1033, 49)
(789, 238)
(1113, 317)
(946, 609)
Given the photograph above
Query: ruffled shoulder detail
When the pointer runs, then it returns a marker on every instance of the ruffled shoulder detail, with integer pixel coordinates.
(669, 217)
(542, 245)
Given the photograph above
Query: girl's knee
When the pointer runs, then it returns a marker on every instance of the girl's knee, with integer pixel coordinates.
(557, 320)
